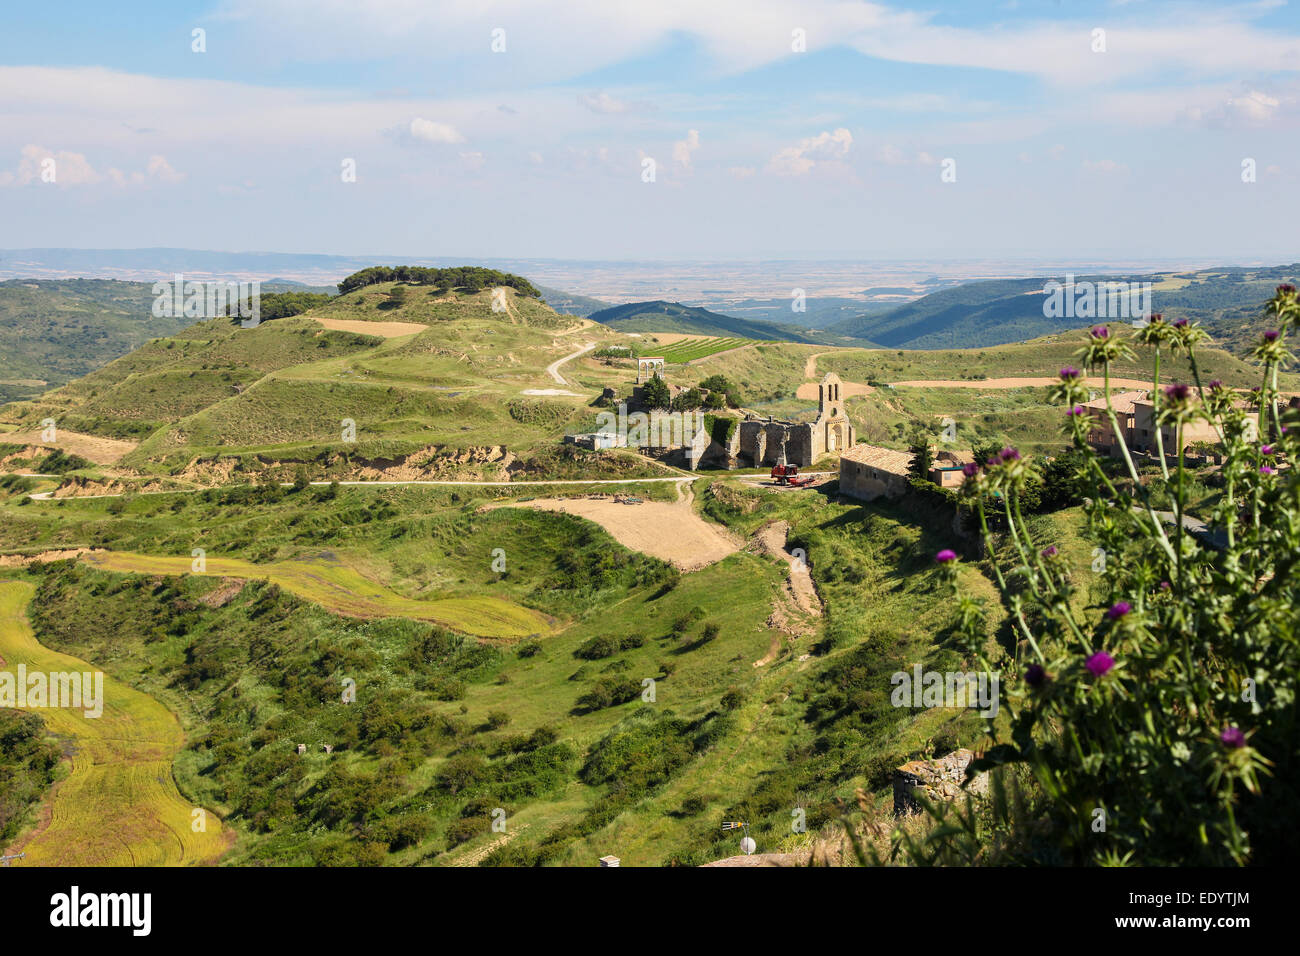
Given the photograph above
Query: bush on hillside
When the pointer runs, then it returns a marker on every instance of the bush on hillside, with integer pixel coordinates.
(463, 278)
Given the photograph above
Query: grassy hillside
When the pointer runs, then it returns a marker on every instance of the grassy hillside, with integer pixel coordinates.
(442, 371)
(570, 303)
(661, 316)
(1227, 301)
(446, 728)
(53, 331)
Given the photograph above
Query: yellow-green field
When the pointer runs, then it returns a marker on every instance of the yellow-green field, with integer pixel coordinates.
(119, 806)
(345, 590)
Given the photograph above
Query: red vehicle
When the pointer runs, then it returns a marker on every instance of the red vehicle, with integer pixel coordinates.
(789, 475)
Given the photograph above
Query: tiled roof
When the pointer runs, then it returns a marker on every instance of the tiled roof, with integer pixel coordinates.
(1122, 403)
(886, 459)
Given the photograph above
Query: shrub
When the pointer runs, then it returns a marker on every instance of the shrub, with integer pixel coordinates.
(1169, 711)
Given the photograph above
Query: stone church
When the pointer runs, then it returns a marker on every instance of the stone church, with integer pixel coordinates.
(771, 442)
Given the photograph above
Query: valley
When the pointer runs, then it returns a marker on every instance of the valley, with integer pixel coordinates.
(390, 605)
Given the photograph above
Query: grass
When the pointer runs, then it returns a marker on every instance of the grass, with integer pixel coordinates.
(119, 805)
(327, 581)
(256, 675)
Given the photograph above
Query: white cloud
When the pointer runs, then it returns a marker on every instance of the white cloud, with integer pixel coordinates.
(891, 155)
(430, 131)
(683, 148)
(602, 103)
(36, 164)
(800, 160)
(1255, 107)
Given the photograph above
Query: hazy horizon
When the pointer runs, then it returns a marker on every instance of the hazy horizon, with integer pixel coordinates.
(777, 129)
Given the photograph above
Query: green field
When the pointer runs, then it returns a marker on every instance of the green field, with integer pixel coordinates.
(687, 350)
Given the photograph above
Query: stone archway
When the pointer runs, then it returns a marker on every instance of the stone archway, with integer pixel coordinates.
(835, 437)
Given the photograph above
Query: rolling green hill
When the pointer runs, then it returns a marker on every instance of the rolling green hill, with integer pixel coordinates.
(1227, 301)
(662, 316)
(53, 331)
(570, 303)
(501, 655)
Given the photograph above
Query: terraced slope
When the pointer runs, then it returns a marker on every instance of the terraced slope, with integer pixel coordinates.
(119, 805)
(340, 588)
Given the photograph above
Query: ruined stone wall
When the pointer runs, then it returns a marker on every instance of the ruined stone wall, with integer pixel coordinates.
(936, 780)
(801, 445)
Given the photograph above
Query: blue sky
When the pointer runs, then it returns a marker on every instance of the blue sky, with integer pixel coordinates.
(1065, 141)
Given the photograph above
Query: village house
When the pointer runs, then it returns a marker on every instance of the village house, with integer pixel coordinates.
(869, 472)
(1136, 414)
(946, 470)
(1101, 435)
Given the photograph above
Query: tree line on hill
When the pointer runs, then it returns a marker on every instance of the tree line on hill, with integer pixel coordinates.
(467, 278)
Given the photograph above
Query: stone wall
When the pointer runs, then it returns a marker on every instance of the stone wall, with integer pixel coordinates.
(936, 780)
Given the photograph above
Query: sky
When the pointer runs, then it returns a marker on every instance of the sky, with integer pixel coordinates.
(656, 129)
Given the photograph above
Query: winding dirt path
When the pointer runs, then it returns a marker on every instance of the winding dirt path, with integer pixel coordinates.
(553, 369)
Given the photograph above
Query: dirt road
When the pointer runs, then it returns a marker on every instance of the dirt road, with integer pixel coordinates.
(553, 369)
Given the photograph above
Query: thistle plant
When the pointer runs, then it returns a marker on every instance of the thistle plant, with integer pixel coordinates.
(1159, 725)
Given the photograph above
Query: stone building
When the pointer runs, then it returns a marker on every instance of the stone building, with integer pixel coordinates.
(869, 472)
(946, 471)
(772, 442)
(1135, 412)
(648, 366)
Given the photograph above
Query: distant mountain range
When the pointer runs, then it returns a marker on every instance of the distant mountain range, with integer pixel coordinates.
(661, 316)
(1227, 301)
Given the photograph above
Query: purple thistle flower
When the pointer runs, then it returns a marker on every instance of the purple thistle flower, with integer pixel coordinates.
(1069, 373)
(1077, 410)
(1266, 470)
(1118, 610)
(1100, 332)
(1266, 449)
(946, 555)
(1286, 288)
(1180, 324)
(1164, 585)
(1177, 392)
(1049, 551)
(1009, 454)
(1099, 663)
(1215, 384)
(1233, 737)
(1156, 317)
(1035, 675)
(970, 469)
(1270, 335)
